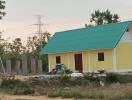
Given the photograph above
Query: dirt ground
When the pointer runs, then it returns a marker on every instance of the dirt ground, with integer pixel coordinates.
(14, 97)
(5, 97)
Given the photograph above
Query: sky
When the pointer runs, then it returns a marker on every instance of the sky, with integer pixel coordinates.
(58, 15)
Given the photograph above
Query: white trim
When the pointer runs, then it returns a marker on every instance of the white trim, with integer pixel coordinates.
(126, 41)
(124, 70)
(127, 36)
(49, 63)
(68, 58)
(89, 62)
(80, 51)
(114, 60)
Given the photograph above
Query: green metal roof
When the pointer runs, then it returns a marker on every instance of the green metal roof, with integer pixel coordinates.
(98, 37)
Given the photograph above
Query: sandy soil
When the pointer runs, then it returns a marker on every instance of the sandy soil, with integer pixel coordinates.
(8, 97)
(14, 97)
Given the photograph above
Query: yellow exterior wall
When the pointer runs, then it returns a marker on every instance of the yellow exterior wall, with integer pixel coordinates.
(106, 64)
(71, 61)
(85, 60)
(92, 63)
(124, 56)
(51, 61)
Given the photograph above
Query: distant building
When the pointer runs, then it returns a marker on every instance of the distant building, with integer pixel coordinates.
(90, 49)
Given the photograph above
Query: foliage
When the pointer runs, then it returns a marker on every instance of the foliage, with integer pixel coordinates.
(112, 77)
(127, 78)
(92, 77)
(2, 7)
(17, 46)
(104, 17)
(16, 87)
(34, 46)
(2, 51)
(14, 50)
(65, 94)
(10, 83)
(35, 43)
(71, 88)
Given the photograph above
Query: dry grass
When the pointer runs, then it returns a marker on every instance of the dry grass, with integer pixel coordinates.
(77, 88)
(112, 92)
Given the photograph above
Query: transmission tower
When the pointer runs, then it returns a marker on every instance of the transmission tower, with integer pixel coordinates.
(39, 25)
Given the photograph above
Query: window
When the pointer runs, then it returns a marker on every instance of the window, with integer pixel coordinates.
(58, 59)
(101, 56)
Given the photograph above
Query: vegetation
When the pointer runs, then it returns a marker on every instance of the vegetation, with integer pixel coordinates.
(2, 7)
(16, 49)
(89, 86)
(74, 87)
(16, 87)
(103, 17)
(112, 77)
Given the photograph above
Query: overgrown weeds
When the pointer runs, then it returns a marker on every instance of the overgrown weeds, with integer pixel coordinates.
(16, 87)
(116, 87)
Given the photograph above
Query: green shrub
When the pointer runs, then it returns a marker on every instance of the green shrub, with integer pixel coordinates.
(54, 94)
(65, 94)
(68, 81)
(125, 78)
(112, 77)
(28, 91)
(16, 87)
(64, 79)
(92, 77)
(11, 83)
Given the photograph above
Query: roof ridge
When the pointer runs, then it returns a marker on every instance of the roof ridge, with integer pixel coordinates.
(94, 26)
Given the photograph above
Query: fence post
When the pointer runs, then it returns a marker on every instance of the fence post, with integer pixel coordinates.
(33, 66)
(40, 66)
(18, 67)
(24, 64)
(8, 66)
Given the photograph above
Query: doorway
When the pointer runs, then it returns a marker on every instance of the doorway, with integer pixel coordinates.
(78, 62)
(58, 60)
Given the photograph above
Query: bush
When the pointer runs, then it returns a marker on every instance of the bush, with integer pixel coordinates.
(64, 79)
(11, 83)
(28, 91)
(16, 87)
(112, 77)
(125, 78)
(65, 94)
(54, 94)
(92, 77)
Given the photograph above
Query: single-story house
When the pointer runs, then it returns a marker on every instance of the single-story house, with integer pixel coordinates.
(107, 47)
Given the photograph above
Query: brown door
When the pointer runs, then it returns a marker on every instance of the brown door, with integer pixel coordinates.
(58, 59)
(78, 62)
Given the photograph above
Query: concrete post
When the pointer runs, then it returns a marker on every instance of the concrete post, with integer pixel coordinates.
(33, 66)
(18, 67)
(24, 64)
(8, 66)
(40, 67)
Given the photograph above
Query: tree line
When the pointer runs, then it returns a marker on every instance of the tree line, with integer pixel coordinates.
(15, 49)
